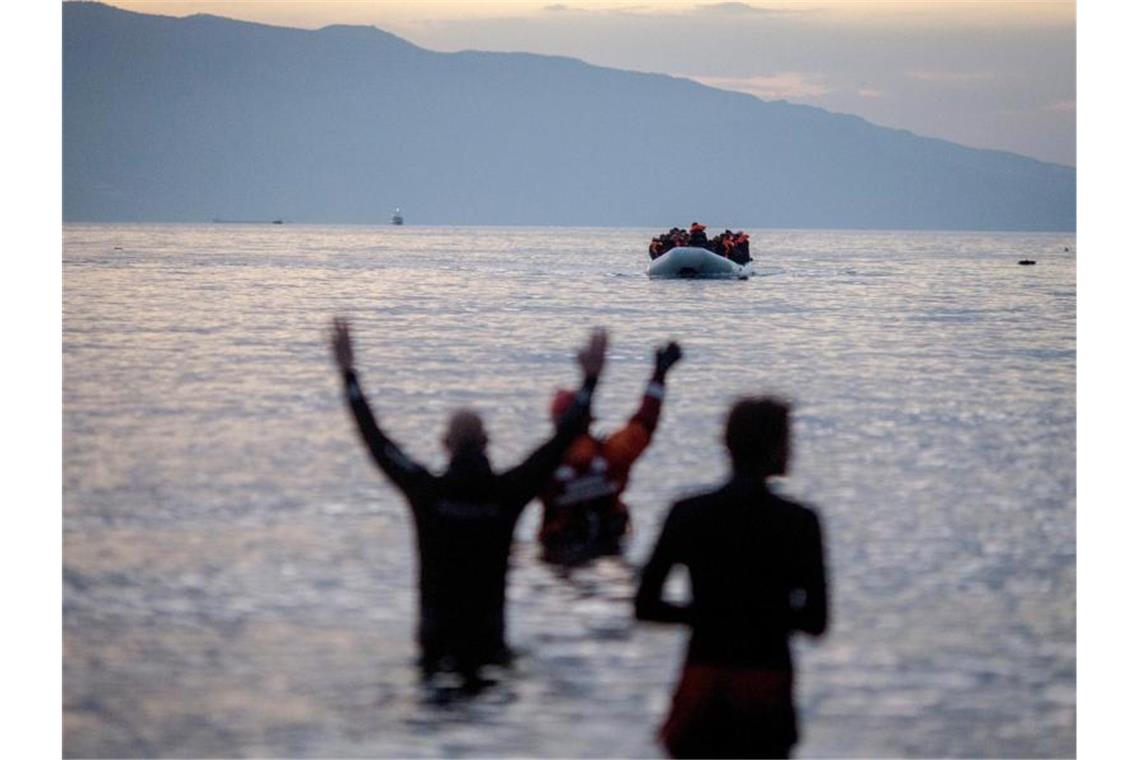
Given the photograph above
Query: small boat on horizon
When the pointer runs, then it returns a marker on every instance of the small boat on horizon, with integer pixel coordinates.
(397, 218)
(218, 220)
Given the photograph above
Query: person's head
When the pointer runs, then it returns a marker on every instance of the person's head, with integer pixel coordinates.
(758, 436)
(560, 403)
(465, 433)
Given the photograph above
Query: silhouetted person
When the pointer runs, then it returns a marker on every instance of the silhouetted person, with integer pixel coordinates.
(729, 245)
(697, 236)
(741, 253)
(583, 516)
(465, 518)
(756, 570)
(716, 244)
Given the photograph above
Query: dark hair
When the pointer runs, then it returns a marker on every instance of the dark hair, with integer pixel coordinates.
(756, 434)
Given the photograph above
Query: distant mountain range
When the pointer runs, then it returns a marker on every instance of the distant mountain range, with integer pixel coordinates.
(190, 119)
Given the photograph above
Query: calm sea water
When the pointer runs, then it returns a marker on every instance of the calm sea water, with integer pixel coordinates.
(239, 580)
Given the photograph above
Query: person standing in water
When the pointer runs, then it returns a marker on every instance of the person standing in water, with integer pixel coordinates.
(757, 573)
(465, 518)
(583, 516)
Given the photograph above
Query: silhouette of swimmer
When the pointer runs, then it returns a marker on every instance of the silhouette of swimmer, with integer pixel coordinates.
(756, 568)
(465, 518)
(583, 516)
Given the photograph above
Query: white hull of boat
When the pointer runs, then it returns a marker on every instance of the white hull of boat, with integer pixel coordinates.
(697, 263)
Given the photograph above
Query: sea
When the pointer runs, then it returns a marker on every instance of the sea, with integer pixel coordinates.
(239, 579)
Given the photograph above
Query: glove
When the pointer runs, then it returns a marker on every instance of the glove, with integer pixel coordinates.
(667, 356)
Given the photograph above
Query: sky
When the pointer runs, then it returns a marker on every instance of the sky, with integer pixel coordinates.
(984, 73)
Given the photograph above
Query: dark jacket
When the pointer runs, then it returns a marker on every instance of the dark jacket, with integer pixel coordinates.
(465, 521)
(740, 253)
(756, 565)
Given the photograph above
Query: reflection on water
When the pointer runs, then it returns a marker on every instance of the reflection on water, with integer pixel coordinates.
(238, 580)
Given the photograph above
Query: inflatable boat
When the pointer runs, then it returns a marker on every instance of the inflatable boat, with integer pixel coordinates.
(690, 262)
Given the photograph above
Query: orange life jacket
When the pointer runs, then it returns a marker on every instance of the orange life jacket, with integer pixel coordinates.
(582, 501)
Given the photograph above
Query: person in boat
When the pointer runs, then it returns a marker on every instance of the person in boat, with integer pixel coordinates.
(465, 518)
(716, 245)
(697, 237)
(655, 248)
(757, 573)
(727, 242)
(729, 245)
(741, 254)
(583, 516)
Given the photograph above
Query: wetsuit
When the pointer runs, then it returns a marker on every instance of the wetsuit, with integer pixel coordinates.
(465, 521)
(757, 572)
(582, 512)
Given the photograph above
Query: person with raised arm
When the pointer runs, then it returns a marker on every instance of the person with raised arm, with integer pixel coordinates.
(756, 574)
(583, 515)
(465, 517)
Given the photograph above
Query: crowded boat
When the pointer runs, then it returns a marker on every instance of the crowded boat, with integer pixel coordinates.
(731, 245)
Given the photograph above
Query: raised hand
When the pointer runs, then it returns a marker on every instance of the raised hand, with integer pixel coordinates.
(341, 342)
(667, 356)
(592, 357)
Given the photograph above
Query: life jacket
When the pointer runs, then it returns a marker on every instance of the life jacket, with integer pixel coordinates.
(582, 502)
(585, 475)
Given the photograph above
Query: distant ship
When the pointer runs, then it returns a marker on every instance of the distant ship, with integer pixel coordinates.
(397, 218)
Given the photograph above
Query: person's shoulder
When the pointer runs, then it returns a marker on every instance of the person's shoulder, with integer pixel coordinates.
(696, 502)
(706, 493)
(798, 511)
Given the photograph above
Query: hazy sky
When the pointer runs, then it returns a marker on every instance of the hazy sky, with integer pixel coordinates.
(984, 73)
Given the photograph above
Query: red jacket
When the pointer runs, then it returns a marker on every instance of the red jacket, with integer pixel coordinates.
(582, 501)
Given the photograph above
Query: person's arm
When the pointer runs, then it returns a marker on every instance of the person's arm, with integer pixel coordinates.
(649, 603)
(400, 468)
(523, 482)
(809, 601)
(624, 447)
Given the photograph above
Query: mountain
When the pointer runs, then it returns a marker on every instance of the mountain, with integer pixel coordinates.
(187, 119)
